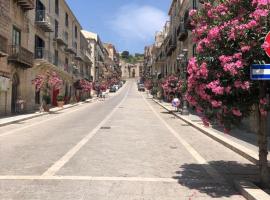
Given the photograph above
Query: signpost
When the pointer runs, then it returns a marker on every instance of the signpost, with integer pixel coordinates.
(260, 72)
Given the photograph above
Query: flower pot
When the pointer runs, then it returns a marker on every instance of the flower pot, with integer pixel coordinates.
(46, 108)
(60, 104)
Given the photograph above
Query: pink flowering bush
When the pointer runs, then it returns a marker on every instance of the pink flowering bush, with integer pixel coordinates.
(86, 85)
(50, 80)
(230, 38)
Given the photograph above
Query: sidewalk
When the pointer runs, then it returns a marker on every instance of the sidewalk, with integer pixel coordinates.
(18, 118)
(239, 141)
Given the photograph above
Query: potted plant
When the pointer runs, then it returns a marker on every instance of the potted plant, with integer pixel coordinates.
(46, 101)
(60, 101)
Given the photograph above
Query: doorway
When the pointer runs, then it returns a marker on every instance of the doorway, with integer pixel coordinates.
(15, 92)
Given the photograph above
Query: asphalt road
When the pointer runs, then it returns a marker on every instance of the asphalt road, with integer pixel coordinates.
(124, 148)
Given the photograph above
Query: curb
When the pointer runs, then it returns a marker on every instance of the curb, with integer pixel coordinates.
(250, 191)
(237, 148)
(45, 113)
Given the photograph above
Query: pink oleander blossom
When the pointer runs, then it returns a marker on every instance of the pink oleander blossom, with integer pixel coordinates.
(236, 112)
(216, 104)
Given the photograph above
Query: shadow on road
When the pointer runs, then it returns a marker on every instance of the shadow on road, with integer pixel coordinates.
(195, 177)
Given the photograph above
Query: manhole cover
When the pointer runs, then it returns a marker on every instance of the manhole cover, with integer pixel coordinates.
(105, 127)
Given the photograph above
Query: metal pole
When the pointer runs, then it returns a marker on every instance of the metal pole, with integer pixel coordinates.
(185, 110)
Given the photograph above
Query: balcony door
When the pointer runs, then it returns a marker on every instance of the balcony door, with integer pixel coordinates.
(16, 40)
(39, 48)
(15, 93)
(40, 11)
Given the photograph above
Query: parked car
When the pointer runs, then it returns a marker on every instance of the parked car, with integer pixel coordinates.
(117, 87)
(113, 89)
(141, 87)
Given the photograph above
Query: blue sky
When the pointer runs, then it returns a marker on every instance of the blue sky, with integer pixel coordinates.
(129, 24)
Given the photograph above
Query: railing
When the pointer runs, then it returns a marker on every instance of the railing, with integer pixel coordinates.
(3, 45)
(62, 37)
(43, 20)
(43, 54)
(21, 55)
(182, 31)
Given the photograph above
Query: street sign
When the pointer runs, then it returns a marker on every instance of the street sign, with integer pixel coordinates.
(267, 39)
(260, 72)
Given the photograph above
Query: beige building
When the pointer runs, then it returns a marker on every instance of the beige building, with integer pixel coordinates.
(98, 56)
(113, 60)
(131, 70)
(173, 40)
(40, 36)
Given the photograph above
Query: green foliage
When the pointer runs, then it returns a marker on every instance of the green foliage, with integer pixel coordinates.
(60, 98)
(132, 59)
(46, 99)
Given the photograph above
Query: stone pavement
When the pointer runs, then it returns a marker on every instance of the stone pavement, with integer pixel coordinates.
(124, 148)
(241, 141)
(22, 117)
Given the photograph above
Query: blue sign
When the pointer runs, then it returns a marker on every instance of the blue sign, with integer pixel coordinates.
(260, 72)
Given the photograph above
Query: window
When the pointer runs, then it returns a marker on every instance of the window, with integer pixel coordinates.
(66, 20)
(16, 37)
(66, 64)
(56, 24)
(76, 32)
(194, 4)
(56, 57)
(194, 50)
(57, 7)
(37, 96)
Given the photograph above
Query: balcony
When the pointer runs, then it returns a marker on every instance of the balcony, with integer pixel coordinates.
(26, 4)
(170, 45)
(62, 38)
(71, 49)
(43, 20)
(3, 46)
(80, 55)
(182, 32)
(21, 56)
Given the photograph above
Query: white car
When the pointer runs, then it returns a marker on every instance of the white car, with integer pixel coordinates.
(117, 87)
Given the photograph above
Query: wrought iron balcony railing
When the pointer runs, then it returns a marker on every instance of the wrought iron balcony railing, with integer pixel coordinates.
(43, 20)
(21, 56)
(62, 37)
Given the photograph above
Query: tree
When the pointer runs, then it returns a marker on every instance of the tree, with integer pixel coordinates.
(125, 54)
(230, 38)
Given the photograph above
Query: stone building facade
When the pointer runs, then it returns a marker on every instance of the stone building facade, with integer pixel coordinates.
(40, 36)
(98, 56)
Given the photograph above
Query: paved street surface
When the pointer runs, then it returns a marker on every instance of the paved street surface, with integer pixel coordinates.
(125, 148)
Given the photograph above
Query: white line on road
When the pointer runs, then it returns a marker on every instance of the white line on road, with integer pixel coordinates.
(90, 178)
(62, 161)
(210, 170)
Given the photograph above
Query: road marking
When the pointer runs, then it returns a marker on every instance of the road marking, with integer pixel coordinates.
(210, 170)
(90, 178)
(62, 161)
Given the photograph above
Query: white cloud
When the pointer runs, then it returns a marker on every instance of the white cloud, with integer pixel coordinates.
(139, 23)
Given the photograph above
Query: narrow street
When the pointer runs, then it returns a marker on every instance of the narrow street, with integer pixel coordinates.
(126, 147)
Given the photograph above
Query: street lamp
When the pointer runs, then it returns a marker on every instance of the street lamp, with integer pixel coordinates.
(183, 59)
